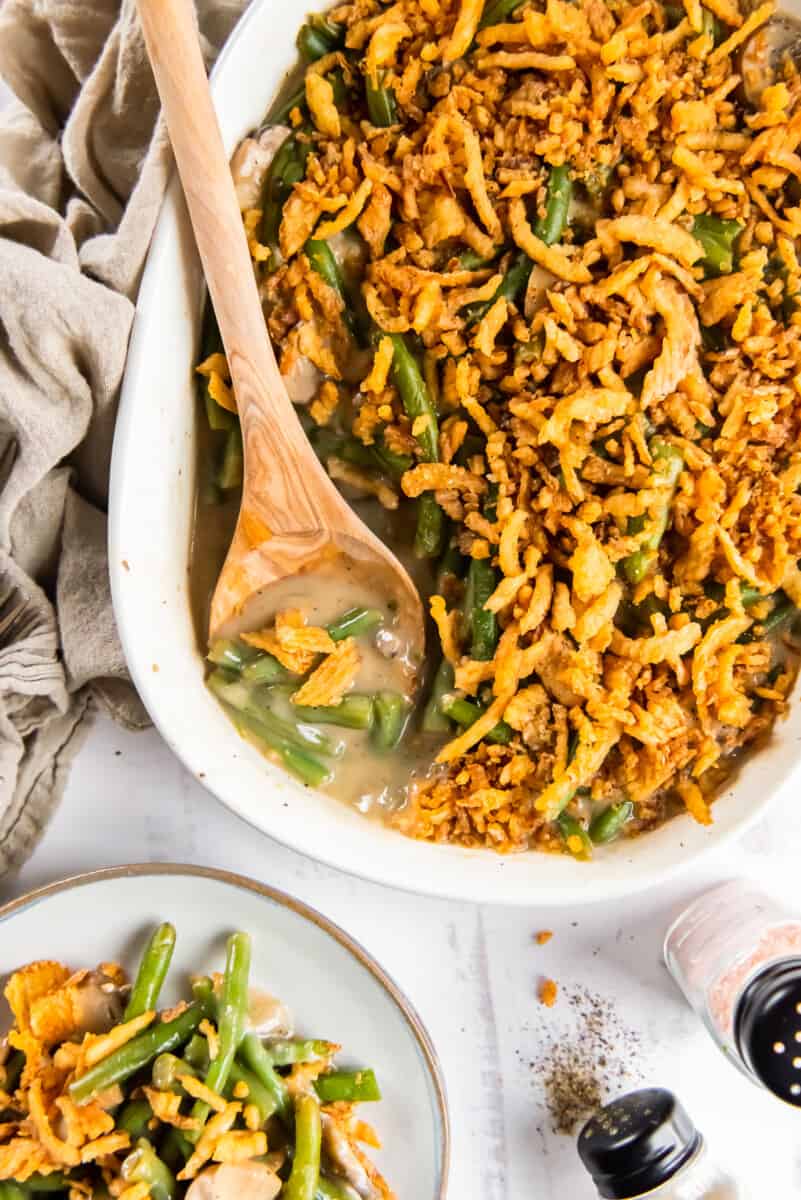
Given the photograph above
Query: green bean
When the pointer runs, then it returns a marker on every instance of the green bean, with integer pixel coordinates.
(711, 27)
(308, 769)
(471, 260)
(606, 826)
(481, 622)
(430, 532)
(134, 1119)
(372, 457)
(278, 114)
(196, 1053)
(235, 656)
(219, 418)
(394, 465)
(55, 1182)
(284, 1052)
(466, 713)
(414, 394)
(783, 614)
(498, 12)
(375, 457)
(417, 403)
(265, 669)
(339, 87)
(329, 1188)
(354, 1087)
(451, 565)
(264, 1100)
(356, 622)
(351, 450)
(203, 992)
(668, 462)
(714, 339)
(12, 1070)
(382, 107)
(355, 711)
(631, 618)
(138, 1053)
(321, 258)
(263, 722)
(549, 229)
(568, 792)
(143, 1165)
(305, 1173)
(717, 236)
(391, 712)
(232, 1015)
(749, 595)
(301, 736)
(166, 1070)
(232, 465)
(571, 829)
(12, 1191)
(319, 36)
(434, 719)
(776, 269)
(512, 285)
(287, 168)
(254, 1056)
(152, 972)
(175, 1148)
(597, 181)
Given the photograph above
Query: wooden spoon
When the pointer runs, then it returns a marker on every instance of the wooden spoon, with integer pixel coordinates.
(292, 519)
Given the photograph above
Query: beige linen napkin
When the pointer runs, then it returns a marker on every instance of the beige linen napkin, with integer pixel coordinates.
(83, 166)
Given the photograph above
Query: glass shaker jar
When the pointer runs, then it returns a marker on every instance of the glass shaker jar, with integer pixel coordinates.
(644, 1146)
(736, 955)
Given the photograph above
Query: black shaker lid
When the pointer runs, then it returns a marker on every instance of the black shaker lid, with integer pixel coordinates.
(636, 1143)
(767, 1028)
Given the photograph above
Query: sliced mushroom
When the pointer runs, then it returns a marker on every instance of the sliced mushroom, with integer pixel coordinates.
(97, 1004)
(765, 52)
(251, 162)
(554, 670)
(538, 283)
(235, 1181)
(87, 1002)
(302, 380)
(350, 251)
(267, 1016)
(341, 1154)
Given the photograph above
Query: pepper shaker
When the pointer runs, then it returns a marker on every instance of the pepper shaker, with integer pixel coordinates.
(736, 955)
(645, 1145)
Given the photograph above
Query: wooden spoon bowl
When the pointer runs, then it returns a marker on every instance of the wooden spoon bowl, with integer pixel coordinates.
(292, 519)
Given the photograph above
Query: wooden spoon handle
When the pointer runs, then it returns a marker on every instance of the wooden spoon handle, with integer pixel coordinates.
(284, 481)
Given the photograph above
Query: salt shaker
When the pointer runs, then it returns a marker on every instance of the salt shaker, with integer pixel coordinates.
(736, 955)
(644, 1145)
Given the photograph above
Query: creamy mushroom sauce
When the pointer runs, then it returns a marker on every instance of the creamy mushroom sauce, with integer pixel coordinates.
(374, 782)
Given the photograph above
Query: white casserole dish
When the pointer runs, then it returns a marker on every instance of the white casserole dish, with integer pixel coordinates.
(152, 491)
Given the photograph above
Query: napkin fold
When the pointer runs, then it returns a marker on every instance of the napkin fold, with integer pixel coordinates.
(84, 161)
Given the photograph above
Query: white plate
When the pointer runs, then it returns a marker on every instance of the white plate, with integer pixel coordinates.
(152, 487)
(334, 989)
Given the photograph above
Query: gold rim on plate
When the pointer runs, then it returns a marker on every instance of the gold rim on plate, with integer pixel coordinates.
(409, 1013)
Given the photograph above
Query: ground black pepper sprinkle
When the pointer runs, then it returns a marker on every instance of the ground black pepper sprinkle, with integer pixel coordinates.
(587, 1063)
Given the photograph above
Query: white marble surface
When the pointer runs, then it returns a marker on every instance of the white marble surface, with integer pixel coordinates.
(471, 971)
